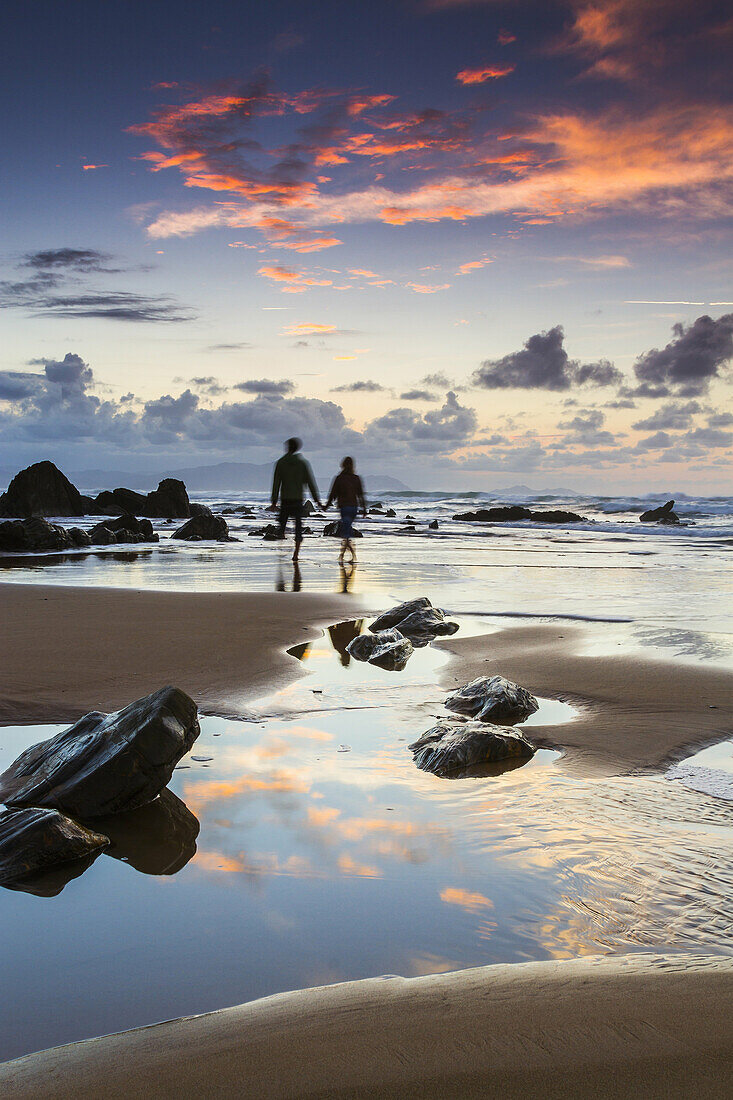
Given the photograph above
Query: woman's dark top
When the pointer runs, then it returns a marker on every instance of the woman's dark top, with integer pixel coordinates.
(347, 490)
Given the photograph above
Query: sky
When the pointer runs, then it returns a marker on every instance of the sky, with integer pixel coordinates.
(469, 242)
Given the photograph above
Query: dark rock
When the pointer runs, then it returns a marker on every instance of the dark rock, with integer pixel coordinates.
(106, 763)
(434, 525)
(124, 528)
(664, 514)
(334, 530)
(417, 619)
(204, 525)
(506, 513)
(169, 500)
(41, 490)
(557, 515)
(493, 699)
(388, 649)
(390, 513)
(119, 502)
(376, 510)
(410, 517)
(34, 840)
(88, 504)
(309, 508)
(37, 535)
(270, 533)
(156, 839)
(199, 510)
(453, 747)
(396, 614)
(408, 527)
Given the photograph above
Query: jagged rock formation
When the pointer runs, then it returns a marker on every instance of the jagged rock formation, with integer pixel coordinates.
(204, 525)
(41, 490)
(168, 501)
(513, 513)
(664, 514)
(493, 699)
(417, 620)
(123, 529)
(451, 747)
(36, 535)
(35, 839)
(388, 649)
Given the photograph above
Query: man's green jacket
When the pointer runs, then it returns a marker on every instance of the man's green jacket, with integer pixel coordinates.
(292, 474)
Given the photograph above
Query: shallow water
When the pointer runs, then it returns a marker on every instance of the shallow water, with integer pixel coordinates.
(324, 855)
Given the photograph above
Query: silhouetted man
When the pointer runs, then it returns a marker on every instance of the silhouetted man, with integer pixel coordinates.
(292, 474)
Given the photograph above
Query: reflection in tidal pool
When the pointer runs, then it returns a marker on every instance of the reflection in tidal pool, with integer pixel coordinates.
(313, 865)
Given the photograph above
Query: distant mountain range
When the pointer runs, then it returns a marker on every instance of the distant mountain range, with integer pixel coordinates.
(224, 476)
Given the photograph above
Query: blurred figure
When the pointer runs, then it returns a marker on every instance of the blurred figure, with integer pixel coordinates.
(347, 573)
(348, 492)
(292, 473)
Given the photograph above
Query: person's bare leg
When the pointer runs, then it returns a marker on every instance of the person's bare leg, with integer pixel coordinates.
(296, 552)
(350, 548)
(344, 544)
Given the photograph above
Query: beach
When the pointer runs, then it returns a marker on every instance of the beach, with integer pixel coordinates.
(529, 915)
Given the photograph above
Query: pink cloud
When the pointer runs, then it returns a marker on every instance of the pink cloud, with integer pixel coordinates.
(480, 76)
(294, 282)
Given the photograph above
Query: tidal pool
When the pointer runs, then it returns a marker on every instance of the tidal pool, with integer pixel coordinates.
(303, 846)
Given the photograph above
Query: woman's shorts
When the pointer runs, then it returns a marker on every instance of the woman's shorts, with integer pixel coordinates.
(348, 515)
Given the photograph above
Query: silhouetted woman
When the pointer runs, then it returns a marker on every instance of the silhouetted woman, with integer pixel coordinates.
(348, 492)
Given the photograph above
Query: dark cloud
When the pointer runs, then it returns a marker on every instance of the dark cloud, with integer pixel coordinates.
(671, 416)
(266, 386)
(587, 429)
(15, 385)
(438, 430)
(418, 395)
(709, 437)
(116, 306)
(543, 364)
(720, 420)
(209, 385)
(657, 442)
(360, 387)
(688, 363)
(438, 380)
(69, 259)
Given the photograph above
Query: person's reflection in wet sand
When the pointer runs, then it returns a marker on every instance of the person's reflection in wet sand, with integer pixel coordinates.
(280, 582)
(347, 572)
(343, 633)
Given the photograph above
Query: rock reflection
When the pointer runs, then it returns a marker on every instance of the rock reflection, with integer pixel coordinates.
(343, 633)
(157, 839)
(50, 883)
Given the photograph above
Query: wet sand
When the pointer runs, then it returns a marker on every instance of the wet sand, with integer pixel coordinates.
(645, 1025)
(636, 714)
(66, 651)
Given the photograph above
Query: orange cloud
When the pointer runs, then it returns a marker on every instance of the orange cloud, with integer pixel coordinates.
(422, 288)
(295, 282)
(322, 817)
(308, 328)
(93, 167)
(349, 866)
(358, 104)
(473, 265)
(314, 244)
(467, 899)
(480, 76)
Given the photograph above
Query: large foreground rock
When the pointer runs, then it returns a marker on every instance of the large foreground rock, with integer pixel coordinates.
(34, 840)
(388, 649)
(168, 501)
(663, 514)
(204, 525)
(125, 528)
(106, 763)
(453, 747)
(119, 502)
(417, 620)
(493, 699)
(36, 535)
(41, 490)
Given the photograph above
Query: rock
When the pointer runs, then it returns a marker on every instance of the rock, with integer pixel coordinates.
(270, 533)
(506, 513)
(664, 514)
(390, 513)
(417, 620)
(434, 525)
(408, 527)
(452, 747)
(36, 535)
(334, 530)
(376, 510)
(156, 839)
(119, 502)
(169, 500)
(106, 763)
(199, 510)
(410, 517)
(34, 840)
(204, 525)
(493, 699)
(388, 649)
(396, 614)
(513, 513)
(41, 490)
(125, 528)
(309, 508)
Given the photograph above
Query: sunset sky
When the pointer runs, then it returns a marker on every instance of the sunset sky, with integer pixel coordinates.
(471, 243)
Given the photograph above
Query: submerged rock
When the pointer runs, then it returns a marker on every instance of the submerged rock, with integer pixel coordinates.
(270, 533)
(452, 747)
(204, 525)
(493, 699)
(119, 502)
(106, 763)
(41, 490)
(35, 535)
(388, 649)
(663, 514)
(35, 839)
(433, 525)
(168, 501)
(125, 528)
(417, 620)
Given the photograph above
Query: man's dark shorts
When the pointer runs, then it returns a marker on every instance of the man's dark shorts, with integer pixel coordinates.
(291, 509)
